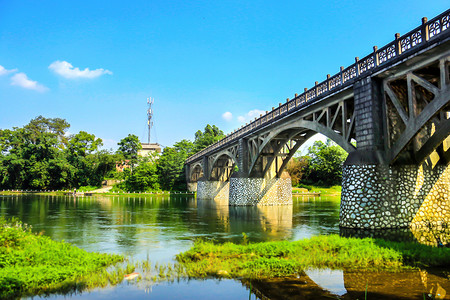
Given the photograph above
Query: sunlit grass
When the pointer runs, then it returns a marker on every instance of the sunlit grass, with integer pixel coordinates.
(276, 259)
(333, 190)
(32, 264)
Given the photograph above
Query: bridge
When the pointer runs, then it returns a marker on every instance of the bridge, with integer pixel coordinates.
(389, 110)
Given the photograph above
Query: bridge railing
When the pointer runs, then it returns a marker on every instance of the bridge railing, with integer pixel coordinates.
(427, 32)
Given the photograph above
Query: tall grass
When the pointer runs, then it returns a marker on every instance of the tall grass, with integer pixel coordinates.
(275, 259)
(32, 264)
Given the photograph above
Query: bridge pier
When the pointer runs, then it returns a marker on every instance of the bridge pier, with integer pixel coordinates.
(213, 190)
(260, 191)
(192, 186)
(382, 196)
(377, 193)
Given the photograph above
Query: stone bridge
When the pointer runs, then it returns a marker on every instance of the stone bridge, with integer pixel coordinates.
(389, 110)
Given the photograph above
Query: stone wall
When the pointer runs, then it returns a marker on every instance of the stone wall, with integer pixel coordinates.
(260, 191)
(380, 196)
(192, 186)
(213, 190)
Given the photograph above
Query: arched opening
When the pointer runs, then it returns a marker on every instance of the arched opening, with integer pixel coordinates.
(273, 154)
(222, 168)
(196, 173)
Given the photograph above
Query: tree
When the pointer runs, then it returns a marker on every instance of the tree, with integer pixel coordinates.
(171, 165)
(129, 146)
(80, 149)
(296, 168)
(325, 161)
(83, 144)
(209, 136)
(41, 156)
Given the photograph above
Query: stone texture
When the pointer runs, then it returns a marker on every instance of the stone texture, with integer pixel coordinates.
(260, 191)
(380, 196)
(192, 186)
(213, 190)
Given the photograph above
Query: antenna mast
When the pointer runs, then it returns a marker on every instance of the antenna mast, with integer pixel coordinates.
(149, 116)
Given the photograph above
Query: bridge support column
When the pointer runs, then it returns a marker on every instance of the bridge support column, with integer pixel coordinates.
(260, 191)
(382, 196)
(192, 186)
(213, 190)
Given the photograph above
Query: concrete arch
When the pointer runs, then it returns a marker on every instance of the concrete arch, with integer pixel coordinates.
(193, 167)
(218, 156)
(299, 126)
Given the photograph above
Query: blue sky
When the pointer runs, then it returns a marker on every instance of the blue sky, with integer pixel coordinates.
(94, 63)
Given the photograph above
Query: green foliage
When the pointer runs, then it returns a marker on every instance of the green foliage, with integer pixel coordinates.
(32, 264)
(284, 258)
(129, 146)
(322, 166)
(144, 177)
(296, 168)
(171, 165)
(41, 156)
(209, 136)
(325, 163)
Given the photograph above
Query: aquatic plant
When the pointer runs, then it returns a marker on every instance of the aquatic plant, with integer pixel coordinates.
(284, 258)
(33, 264)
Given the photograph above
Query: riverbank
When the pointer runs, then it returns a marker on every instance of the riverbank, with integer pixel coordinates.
(78, 193)
(320, 190)
(32, 264)
(285, 258)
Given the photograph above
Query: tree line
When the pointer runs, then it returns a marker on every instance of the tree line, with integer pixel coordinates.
(42, 155)
(321, 166)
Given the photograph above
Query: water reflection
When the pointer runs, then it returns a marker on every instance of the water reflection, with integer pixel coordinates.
(345, 284)
(161, 227)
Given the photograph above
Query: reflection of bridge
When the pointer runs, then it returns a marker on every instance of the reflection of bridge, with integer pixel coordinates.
(348, 284)
(394, 103)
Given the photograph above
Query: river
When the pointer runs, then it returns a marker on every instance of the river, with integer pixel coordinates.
(159, 227)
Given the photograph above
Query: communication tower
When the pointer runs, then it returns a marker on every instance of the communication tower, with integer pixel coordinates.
(149, 116)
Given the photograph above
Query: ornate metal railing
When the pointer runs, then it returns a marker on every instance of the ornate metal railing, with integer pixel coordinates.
(403, 45)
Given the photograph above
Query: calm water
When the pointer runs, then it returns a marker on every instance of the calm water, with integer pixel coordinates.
(161, 227)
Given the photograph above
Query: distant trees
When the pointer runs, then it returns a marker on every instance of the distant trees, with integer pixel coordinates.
(296, 168)
(209, 136)
(167, 171)
(42, 156)
(321, 166)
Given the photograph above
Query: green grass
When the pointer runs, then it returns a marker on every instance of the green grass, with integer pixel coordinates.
(333, 190)
(88, 188)
(32, 264)
(284, 258)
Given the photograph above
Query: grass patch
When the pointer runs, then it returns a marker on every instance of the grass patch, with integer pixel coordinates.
(32, 264)
(330, 190)
(88, 188)
(284, 258)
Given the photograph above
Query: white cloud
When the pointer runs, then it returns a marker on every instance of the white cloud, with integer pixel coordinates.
(21, 79)
(251, 115)
(3, 71)
(66, 70)
(227, 116)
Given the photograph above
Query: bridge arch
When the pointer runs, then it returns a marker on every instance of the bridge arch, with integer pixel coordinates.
(196, 172)
(298, 131)
(222, 165)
